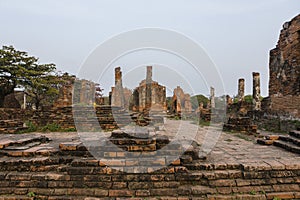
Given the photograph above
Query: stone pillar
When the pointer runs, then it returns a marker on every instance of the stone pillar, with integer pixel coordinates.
(187, 103)
(24, 101)
(149, 88)
(82, 91)
(117, 98)
(164, 99)
(212, 97)
(256, 91)
(241, 90)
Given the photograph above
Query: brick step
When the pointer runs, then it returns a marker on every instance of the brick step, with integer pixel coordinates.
(138, 148)
(12, 130)
(135, 134)
(114, 118)
(128, 141)
(22, 142)
(270, 196)
(265, 141)
(295, 133)
(9, 123)
(291, 139)
(64, 194)
(154, 190)
(287, 146)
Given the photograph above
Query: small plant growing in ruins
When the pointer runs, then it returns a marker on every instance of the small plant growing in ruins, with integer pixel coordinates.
(70, 130)
(204, 123)
(263, 192)
(177, 117)
(30, 128)
(276, 198)
(53, 127)
(253, 192)
(31, 194)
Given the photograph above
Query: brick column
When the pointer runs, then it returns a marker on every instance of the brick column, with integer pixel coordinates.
(256, 91)
(212, 97)
(241, 89)
(117, 98)
(149, 88)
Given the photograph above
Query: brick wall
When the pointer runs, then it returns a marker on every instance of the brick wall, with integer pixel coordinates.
(109, 117)
(287, 104)
(72, 178)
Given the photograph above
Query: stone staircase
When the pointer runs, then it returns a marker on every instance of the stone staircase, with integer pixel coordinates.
(290, 142)
(108, 117)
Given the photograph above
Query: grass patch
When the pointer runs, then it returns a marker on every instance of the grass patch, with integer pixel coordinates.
(244, 137)
(204, 123)
(52, 127)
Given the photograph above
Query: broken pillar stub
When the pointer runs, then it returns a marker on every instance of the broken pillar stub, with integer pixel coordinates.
(256, 91)
(229, 100)
(212, 97)
(241, 90)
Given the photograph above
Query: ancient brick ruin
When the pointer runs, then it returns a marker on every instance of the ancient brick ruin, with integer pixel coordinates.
(284, 67)
(61, 166)
(240, 114)
(181, 102)
(149, 95)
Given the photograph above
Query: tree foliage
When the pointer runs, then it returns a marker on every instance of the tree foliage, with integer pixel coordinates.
(197, 99)
(17, 69)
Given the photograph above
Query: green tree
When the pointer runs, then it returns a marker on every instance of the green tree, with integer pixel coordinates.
(17, 69)
(197, 99)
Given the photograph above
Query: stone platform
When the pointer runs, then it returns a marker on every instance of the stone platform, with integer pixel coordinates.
(59, 167)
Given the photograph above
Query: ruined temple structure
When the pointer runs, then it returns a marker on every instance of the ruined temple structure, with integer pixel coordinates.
(85, 91)
(149, 95)
(181, 102)
(239, 113)
(284, 69)
(65, 94)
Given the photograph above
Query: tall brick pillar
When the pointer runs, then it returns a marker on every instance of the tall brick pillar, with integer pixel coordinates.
(256, 91)
(212, 97)
(149, 88)
(117, 98)
(241, 89)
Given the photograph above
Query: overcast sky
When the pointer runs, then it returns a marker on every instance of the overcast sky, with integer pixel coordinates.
(236, 34)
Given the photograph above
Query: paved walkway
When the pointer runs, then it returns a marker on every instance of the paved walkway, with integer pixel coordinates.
(229, 149)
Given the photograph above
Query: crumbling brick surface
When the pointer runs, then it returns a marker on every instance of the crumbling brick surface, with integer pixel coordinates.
(284, 64)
